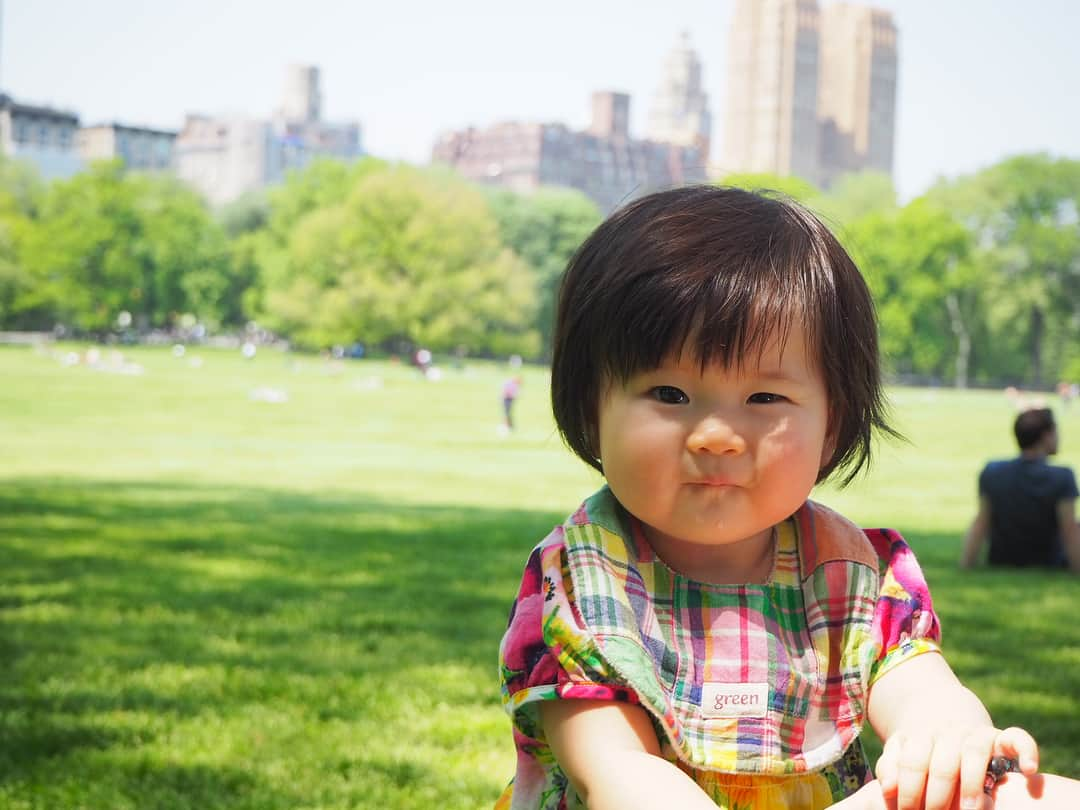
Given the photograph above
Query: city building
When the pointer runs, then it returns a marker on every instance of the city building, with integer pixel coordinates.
(770, 124)
(811, 92)
(140, 148)
(42, 136)
(680, 108)
(225, 157)
(856, 90)
(604, 162)
(302, 100)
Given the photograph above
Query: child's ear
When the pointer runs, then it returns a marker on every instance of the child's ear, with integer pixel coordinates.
(828, 448)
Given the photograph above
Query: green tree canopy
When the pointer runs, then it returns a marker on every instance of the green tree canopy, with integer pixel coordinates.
(21, 193)
(916, 263)
(107, 242)
(1023, 216)
(407, 254)
(544, 228)
(321, 184)
(856, 195)
(247, 214)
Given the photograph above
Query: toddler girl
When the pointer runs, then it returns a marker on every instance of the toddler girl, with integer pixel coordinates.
(698, 633)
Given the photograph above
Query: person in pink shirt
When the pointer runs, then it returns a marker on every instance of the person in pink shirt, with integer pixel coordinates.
(510, 391)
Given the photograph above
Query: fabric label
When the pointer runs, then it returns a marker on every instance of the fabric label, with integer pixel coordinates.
(734, 699)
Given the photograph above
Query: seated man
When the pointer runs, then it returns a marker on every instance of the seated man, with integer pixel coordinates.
(1027, 507)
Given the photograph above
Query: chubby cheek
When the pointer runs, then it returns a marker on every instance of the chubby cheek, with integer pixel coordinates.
(633, 464)
(641, 461)
(792, 447)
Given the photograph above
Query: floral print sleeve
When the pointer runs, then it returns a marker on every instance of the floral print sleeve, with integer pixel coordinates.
(546, 655)
(904, 623)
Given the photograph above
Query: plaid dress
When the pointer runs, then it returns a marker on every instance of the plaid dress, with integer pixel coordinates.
(757, 691)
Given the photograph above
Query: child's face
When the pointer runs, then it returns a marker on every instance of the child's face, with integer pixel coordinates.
(707, 460)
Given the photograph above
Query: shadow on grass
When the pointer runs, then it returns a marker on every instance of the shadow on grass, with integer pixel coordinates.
(154, 630)
(176, 646)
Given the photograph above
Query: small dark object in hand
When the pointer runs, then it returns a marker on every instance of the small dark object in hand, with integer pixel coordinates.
(998, 767)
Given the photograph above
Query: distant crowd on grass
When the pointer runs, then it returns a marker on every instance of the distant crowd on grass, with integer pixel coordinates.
(975, 281)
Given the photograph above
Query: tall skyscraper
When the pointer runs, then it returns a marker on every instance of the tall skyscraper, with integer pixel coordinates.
(302, 100)
(771, 116)
(810, 93)
(856, 89)
(680, 109)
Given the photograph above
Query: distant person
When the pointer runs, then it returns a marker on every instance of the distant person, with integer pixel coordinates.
(1027, 507)
(422, 360)
(510, 390)
(1067, 391)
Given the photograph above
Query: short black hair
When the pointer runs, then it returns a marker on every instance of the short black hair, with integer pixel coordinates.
(717, 271)
(1031, 425)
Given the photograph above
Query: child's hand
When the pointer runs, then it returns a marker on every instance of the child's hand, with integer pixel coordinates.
(927, 766)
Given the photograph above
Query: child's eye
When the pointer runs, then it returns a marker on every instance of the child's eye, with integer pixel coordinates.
(765, 398)
(669, 395)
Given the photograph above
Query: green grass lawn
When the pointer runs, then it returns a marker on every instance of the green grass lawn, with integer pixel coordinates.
(213, 601)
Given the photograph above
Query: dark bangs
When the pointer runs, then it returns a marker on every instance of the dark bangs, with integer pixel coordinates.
(717, 273)
(724, 295)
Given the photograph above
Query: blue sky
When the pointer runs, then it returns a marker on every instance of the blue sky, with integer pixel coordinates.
(978, 80)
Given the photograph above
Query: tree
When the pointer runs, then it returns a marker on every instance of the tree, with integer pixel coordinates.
(855, 195)
(321, 184)
(188, 256)
(544, 228)
(917, 265)
(248, 213)
(261, 253)
(107, 242)
(21, 192)
(408, 255)
(1023, 215)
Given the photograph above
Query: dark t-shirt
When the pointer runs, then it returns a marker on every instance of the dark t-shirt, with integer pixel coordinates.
(1023, 497)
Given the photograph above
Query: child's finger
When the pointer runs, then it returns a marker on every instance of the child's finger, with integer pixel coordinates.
(944, 773)
(974, 757)
(1019, 745)
(912, 769)
(886, 768)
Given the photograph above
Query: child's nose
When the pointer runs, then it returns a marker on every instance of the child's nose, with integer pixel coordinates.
(715, 434)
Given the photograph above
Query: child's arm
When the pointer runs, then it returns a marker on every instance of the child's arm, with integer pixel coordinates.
(937, 736)
(610, 754)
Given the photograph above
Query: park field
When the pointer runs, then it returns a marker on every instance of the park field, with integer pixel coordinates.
(281, 582)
